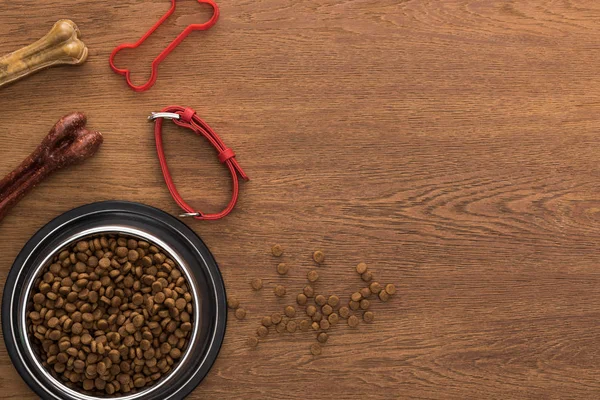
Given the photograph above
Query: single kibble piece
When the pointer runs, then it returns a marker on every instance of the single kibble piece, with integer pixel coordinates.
(309, 291)
(390, 289)
(301, 299)
(240, 313)
(324, 324)
(384, 296)
(333, 301)
(315, 326)
(375, 287)
(280, 328)
(319, 257)
(232, 302)
(353, 321)
(322, 337)
(367, 276)
(276, 318)
(291, 326)
(252, 341)
(267, 321)
(277, 250)
(344, 312)
(315, 349)
(262, 331)
(326, 309)
(279, 291)
(256, 283)
(361, 268)
(290, 311)
(364, 304)
(368, 316)
(320, 300)
(311, 310)
(282, 268)
(304, 325)
(317, 317)
(356, 296)
(333, 318)
(312, 276)
(365, 292)
(354, 305)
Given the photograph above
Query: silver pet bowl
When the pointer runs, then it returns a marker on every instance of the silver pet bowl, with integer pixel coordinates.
(177, 241)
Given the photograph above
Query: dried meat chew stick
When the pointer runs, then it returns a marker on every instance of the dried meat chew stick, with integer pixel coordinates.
(68, 142)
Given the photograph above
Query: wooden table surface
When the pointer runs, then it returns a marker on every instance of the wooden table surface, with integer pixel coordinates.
(451, 145)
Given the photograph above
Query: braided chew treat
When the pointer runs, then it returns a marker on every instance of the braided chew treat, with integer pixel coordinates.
(68, 142)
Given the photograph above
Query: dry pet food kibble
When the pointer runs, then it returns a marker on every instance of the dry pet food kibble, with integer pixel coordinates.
(315, 349)
(361, 268)
(319, 257)
(320, 300)
(367, 276)
(304, 325)
(312, 276)
(375, 287)
(232, 302)
(333, 318)
(291, 326)
(390, 289)
(301, 299)
(262, 331)
(333, 301)
(344, 312)
(365, 292)
(364, 304)
(240, 313)
(384, 296)
(290, 311)
(309, 291)
(276, 318)
(111, 315)
(279, 290)
(322, 337)
(256, 283)
(356, 296)
(282, 269)
(353, 321)
(267, 321)
(252, 341)
(368, 316)
(277, 250)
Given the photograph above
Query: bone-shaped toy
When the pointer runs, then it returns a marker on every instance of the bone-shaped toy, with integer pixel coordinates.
(60, 46)
(165, 52)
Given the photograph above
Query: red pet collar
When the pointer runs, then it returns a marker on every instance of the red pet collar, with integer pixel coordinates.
(187, 118)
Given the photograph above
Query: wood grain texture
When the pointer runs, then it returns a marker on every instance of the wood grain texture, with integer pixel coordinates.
(449, 144)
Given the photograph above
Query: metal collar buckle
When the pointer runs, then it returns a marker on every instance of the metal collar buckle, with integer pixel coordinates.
(165, 115)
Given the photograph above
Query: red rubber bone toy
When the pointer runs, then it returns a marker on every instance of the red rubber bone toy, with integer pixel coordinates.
(165, 52)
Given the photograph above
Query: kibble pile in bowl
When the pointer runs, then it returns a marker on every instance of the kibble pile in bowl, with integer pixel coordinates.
(109, 315)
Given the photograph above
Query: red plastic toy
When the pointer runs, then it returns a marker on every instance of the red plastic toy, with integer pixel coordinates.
(165, 52)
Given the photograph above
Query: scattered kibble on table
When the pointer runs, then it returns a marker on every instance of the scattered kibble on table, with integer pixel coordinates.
(240, 313)
(319, 257)
(282, 268)
(233, 302)
(279, 290)
(252, 341)
(326, 311)
(309, 291)
(290, 311)
(277, 250)
(301, 299)
(256, 283)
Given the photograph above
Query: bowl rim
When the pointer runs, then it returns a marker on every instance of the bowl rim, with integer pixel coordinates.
(40, 240)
